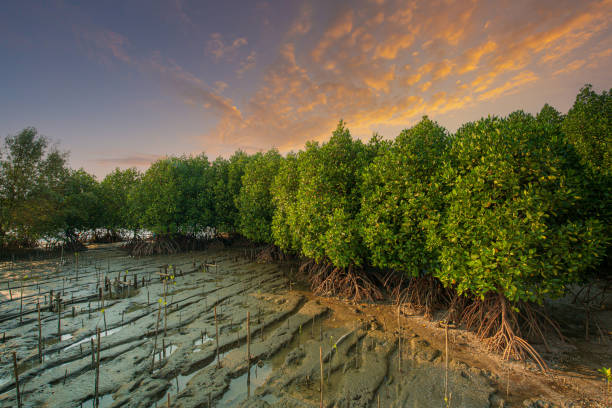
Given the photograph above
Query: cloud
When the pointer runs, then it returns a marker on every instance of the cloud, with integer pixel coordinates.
(303, 23)
(130, 161)
(393, 45)
(572, 66)
(217, 47)
(247, 64)
(108, 46)
(472, 56)
(113, 44)
(511, 86)
(341, 26)
(381, 65)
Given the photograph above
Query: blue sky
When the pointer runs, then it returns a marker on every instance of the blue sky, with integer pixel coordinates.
(121, 83)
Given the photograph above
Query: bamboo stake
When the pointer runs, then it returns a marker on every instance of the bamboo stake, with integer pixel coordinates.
(21, 304)
(446, 364)
(217, 338)
(321, 365)
(16, 379)
(39, 334)
(97, 402)
(165, 310)
(399, 340)
(59, 319)
(168, 399)
(248, 354)
(93, 354)
(155, 343)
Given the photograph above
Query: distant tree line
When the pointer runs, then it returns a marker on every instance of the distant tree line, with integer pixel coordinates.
(515, 208)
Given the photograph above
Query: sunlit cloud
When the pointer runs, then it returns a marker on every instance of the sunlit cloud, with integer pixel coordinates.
(380, 65)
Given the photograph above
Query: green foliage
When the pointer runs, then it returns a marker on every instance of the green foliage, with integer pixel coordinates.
(81, 207)
(31, 175)
(226, 184)
(512, 222)
(328, 198)
(113, 193)
(401, 195)
(284, 192)
(588, 126)
(173, 197)
(254, 202)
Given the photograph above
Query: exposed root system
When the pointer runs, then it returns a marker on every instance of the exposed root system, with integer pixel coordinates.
(504, 329)
(160, 245)
(352, 282)
(269, 254)
(425, 294)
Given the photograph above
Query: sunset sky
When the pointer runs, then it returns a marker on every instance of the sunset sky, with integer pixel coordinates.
(121, 83)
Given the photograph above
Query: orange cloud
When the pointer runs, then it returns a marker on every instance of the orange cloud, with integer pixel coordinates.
(510, 86)
(472, 57)
(341, 27)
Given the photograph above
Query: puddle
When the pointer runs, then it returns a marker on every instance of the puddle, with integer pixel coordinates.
(237, 391)
(160, 354)
(201, 341)
(105, 401)
(103, 333)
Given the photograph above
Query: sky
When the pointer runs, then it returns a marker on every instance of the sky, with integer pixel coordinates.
(123, 83)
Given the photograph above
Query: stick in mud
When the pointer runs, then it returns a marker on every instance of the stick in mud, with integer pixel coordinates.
(16, 379)
(217, 338)
(156, 330)
(312, 328)
(96, 401)
(93, 354)
(321, 365)
(446, 364)
(59, 318)
(21, 304)
(168, 399)
(399, 340)
(248, 327)
(39, 334)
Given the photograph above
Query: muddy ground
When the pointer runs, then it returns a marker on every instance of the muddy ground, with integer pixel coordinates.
(155, 350)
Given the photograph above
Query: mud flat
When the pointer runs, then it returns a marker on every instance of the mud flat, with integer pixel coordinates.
(159, 342)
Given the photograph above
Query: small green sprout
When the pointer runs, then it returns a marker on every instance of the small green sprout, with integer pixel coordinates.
(606, 372)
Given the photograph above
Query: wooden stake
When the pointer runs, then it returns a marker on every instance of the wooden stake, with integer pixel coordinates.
(97, 402)
(248, 354)
(312, 328)
(168, 400)
(93, 354)
(321, 365)
(399, 340)
(155, 343)
(446, 364)
(59, 319)
(217, 338)
(21, 304)
(16, 379)
(39, 334)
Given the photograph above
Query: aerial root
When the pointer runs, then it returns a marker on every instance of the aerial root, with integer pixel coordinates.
(500, 327)
(162, 245)
(423, 293)
(352, 282)
(269, 254)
